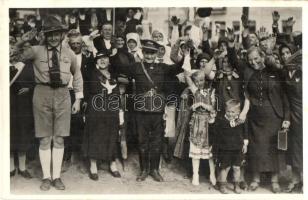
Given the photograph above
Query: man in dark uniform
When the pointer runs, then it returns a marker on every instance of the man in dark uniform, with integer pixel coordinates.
(149, 103)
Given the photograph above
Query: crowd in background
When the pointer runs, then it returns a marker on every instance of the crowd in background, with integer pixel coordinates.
(236, 96)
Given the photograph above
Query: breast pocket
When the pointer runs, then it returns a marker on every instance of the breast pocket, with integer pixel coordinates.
(65, 69)
(65, 65)
(42, 65)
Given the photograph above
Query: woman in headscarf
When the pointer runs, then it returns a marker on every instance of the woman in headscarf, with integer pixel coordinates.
(134, 46)
(159, 37)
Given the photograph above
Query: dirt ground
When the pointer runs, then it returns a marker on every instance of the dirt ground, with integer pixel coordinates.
(79, 183)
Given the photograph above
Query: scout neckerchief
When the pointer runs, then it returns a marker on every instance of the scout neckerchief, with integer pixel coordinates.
(18, 68)
(104, 81)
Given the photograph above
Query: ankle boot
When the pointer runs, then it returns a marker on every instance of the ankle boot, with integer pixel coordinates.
(166, 150)
(144, 165)
(154, 165)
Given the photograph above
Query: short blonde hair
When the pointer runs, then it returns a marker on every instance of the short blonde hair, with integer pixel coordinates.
(233, 103)
(197, 74)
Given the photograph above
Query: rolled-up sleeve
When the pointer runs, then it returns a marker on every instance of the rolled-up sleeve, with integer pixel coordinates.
(77, 77)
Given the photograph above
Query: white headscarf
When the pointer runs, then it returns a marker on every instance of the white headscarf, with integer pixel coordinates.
(164, 43)
(137, 50)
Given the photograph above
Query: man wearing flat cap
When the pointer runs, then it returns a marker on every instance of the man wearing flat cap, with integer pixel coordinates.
(53, 66)
(149, 104)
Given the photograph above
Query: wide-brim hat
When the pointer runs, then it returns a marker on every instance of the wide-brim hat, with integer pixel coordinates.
(150, 45)
(51, 24)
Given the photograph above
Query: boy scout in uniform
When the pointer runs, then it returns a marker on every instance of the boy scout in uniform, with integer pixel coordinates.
(53, 66)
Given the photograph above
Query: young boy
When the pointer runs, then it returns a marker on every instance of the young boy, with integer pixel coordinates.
(231, 143)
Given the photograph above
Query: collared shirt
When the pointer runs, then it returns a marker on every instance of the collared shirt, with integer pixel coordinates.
(68, 66)
(107, 44)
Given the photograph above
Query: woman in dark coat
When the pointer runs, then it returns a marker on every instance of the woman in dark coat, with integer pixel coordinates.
(293, 87)
(21, 115)
(268, 113)
(102, 117)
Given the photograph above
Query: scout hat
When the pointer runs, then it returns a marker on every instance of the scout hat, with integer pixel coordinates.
(150, 45)
(51, 24)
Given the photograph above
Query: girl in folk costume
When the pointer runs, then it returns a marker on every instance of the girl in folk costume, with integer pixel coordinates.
(133, 45)
(102, 117)
(203, 114)
(207, 65)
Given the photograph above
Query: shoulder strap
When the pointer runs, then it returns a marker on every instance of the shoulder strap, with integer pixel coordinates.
(147, 74)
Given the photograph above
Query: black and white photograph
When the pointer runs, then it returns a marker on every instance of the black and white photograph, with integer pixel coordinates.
(147, 100)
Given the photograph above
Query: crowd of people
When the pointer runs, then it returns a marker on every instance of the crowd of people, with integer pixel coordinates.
(84, 88)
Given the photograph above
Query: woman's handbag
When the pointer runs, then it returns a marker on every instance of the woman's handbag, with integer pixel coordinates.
(283, 139)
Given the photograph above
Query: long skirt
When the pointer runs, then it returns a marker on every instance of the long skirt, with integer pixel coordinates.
(101, 134)
(21, 122)
(264, 155)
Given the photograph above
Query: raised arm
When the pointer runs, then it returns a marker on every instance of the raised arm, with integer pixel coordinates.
(120, 67)
(175, 49)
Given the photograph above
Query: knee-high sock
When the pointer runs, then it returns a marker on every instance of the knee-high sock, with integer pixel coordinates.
(22, 161)
(212, 171)
(195, 165)
(236, 173)
(57, 158)
(113, 166)
(93, 166)
(45, 158)
(12, 163)
(223, 175)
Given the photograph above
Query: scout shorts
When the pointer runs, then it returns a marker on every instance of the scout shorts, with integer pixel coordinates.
(52, 111)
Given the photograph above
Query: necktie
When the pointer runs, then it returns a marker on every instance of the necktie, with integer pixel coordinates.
(54, 71)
